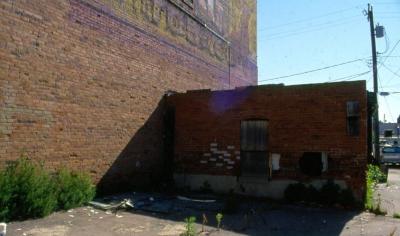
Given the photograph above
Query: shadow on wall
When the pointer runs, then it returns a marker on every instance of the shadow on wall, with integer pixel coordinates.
(146, 164)
(146, 161)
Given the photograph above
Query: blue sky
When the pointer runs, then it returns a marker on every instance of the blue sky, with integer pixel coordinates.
(301, 35)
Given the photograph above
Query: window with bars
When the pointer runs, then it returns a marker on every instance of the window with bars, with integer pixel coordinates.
(253, 145)
(353, 118)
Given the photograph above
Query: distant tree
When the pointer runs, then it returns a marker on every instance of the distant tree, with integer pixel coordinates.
(398, 120)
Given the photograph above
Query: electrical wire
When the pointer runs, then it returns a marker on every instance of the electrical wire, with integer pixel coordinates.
(311, 71)
(312, 18)
(394, 73)
(390, 53)
(388, 107)
(278, 36)
(350, 77)
(345, 20)
(386, 3)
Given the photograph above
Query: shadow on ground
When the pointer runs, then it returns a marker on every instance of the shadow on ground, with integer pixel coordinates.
(146, 163)
(252, 218)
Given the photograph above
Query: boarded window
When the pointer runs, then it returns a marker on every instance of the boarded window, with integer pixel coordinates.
(253, 143)
(353, 118)
(254, 135)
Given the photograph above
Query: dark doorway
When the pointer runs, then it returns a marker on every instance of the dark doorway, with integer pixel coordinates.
(253, 148)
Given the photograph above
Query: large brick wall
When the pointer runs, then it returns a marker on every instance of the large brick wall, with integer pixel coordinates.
(82, 81)
(302, 118)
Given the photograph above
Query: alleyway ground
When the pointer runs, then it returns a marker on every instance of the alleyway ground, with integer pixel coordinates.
(262, 219)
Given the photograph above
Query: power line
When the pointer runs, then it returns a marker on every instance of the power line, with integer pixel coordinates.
(314, 70)
(306, 31)
(397, 71)
(388, 107)
(394, 73)
(350, 77)
(325, 25)
(391, 85)
(390, 53)
(311, 18)
(387, 104)
(388, 12)
(318, 24)
(388, 56)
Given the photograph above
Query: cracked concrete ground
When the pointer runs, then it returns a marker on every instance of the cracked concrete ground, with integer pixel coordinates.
(255, 218)
(389, 194)
(285, 220)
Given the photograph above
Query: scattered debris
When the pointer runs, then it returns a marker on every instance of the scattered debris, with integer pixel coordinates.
(124, 204)
(195, 200)
(3, 227)
(154, 203)
(72, 216)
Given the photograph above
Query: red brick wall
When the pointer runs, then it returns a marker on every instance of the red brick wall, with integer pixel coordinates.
(81, 81)
(303, 118)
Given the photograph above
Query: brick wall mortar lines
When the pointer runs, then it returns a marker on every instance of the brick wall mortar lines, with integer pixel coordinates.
(85, 97)
(307, 118)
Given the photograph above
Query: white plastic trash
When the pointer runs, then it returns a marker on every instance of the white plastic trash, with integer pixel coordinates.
(3, 229)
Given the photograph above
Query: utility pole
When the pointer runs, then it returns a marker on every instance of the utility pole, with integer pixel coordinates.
(375, 76)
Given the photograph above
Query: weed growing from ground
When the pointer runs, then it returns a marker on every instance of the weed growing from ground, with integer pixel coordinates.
(189, 226)
(374, 175)
(219, 217)
(28, 190)
(205, 221)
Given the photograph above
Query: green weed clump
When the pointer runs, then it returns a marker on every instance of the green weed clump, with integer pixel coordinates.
(374, 175)
(74, 189)
(27, 190)
(219, 217)
(189, 226)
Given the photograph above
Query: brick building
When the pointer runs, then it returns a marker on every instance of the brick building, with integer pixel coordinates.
(82, 81)
(258, 139)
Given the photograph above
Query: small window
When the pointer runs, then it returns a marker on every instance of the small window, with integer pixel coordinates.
(353, 118)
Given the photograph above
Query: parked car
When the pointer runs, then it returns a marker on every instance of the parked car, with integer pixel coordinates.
(391, 155)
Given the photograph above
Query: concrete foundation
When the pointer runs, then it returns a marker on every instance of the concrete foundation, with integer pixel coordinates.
(253, 186)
